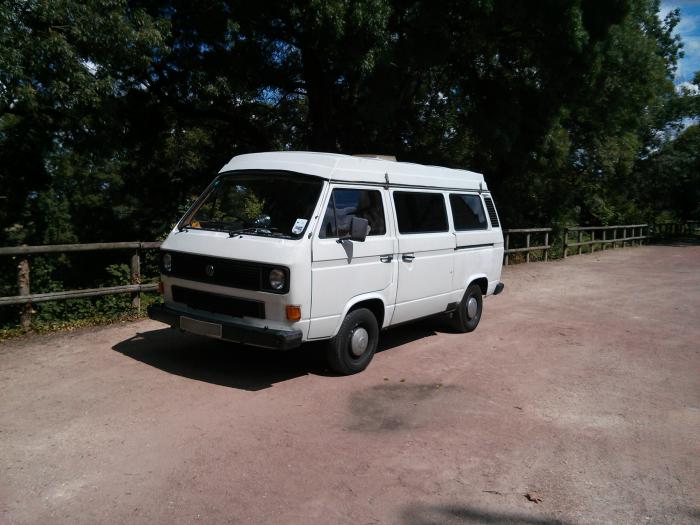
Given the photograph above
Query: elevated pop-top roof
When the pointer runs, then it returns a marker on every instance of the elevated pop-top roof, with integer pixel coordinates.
(346, 168)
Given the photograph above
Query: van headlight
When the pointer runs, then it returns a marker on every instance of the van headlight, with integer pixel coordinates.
(167, 262)
(277, 279)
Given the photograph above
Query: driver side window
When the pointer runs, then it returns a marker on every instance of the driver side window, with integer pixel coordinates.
(345, 204)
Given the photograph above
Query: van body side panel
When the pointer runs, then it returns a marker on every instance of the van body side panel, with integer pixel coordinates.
(426, 266)
(425, 284)
(474, 254)
(495, 265)
(342, 271)
(480, 261)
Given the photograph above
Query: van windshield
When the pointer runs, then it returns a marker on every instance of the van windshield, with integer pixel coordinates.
(269, 204)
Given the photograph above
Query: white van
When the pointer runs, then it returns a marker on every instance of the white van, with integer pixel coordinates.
(288, 247)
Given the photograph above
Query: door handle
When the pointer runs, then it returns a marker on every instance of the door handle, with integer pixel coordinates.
(408, 257)
(386, 258)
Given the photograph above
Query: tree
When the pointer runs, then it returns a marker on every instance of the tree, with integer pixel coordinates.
(63, 67)
(113, 114)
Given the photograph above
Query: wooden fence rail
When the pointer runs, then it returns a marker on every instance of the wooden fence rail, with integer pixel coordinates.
(26, 298)
(608, 236)
(64, 248)
(527, 248)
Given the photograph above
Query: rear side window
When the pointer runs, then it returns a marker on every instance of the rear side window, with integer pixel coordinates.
(348, 203)
(492, 212)
(420, 212)
(468, 212)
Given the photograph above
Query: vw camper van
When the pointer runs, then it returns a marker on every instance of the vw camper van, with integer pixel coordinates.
(288, 247)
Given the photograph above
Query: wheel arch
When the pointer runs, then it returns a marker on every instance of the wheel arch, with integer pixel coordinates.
(481, 279)
(372, 301)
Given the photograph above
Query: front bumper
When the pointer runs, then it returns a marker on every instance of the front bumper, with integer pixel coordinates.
(236, 331)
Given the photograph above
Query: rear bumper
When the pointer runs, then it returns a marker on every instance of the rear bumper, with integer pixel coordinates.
(238, 332)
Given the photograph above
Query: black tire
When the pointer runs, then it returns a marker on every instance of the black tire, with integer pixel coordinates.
(460, 320)
(340, 355)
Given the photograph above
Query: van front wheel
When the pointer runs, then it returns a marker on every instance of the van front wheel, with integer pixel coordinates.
(351, 350)
(468, 312)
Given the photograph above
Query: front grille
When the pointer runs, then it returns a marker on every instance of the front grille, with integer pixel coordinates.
(219, 304)
(492, 212)
(225, 272)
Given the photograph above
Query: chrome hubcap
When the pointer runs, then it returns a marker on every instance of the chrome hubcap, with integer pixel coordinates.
(472, 307)
(359, 341)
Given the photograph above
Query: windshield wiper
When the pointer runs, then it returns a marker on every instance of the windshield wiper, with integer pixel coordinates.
(217, 226)
(221, 226)
(256, 230)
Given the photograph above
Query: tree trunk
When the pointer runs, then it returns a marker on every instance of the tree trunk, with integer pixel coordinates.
(319, 94)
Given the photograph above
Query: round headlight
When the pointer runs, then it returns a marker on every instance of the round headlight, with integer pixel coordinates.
(277, 279)
(167, 262)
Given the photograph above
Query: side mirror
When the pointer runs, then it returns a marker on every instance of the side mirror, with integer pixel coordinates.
(358, 229)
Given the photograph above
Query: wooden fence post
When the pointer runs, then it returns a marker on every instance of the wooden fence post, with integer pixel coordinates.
(546, 243)
(566, 242)
(25, 316)
(624, 236)
(580, 238)
(136, 279)
(605, 236)
(527, 245)
(592, 241)
(614, 238)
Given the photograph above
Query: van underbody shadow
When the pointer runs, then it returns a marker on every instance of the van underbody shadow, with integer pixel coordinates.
(239, 366)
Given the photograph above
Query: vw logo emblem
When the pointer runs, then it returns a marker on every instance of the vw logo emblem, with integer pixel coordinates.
(209, 270)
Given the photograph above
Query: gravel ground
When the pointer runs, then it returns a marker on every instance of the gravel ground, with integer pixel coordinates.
(581, 387)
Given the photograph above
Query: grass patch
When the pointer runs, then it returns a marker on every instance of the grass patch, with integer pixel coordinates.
(71, 325)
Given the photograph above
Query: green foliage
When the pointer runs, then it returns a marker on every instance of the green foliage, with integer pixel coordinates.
(672, 188)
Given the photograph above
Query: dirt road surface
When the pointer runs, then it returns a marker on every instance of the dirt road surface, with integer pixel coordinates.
(581, 387)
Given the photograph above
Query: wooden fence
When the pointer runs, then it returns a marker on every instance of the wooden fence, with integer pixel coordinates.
(666, 229)
(26, 298)
(583, 237)
(528, 248)
(607, 235)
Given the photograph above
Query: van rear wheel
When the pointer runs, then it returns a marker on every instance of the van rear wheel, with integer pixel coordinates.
(468, 313)
(351, 350)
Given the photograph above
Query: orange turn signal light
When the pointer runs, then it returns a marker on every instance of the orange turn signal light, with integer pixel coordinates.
(161, 288)
(293, 312)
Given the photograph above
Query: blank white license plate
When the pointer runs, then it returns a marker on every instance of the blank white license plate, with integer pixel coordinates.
(200, 327)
